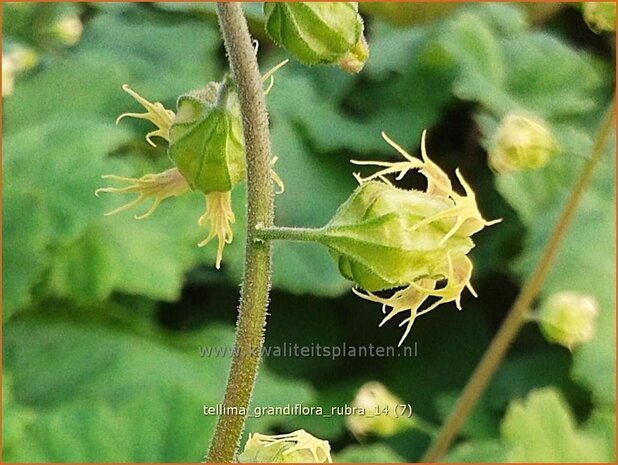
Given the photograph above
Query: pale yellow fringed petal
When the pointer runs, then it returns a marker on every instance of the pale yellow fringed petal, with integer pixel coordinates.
(156, 113)
(400, 168)
(276, 178)
(408, 299)
(219, 217)
(158, 186)
(270, 74)
(301, 440)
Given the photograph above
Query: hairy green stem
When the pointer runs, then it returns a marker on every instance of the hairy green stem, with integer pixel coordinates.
(276, 233)
(517, 315)
(256, 281)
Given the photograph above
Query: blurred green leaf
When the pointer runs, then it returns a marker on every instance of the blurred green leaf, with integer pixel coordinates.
(23, 248)
(481, 424)
(95, 368)
(15, 419)
(159, 61)
(478, 452)
(374, 453)
(602, 423)
(37, 24)
(69, 161)
(160, 425)
(542, 429)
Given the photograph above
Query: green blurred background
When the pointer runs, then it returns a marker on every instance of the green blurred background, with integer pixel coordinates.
(103, 316)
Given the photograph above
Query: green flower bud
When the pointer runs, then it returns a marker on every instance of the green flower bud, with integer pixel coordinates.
(521, 142)
(354, 60)
(296, 447)
(68, 29)
(206, 142)
(383, 237)
(600, 16)
(568, 318)
(380, 407)
(16, 59)
(319, 32)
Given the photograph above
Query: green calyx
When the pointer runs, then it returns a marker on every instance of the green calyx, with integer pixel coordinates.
(381, 239)
(319, 32)
(206, 141)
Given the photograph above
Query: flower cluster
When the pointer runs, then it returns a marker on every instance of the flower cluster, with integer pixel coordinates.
(205, 143)
(411, 243)
(296, 447)
(376, 412)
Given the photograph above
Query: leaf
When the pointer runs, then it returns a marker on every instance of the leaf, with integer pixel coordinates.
(474, 47)
(602, 423)
(116, 51)
(499, 68)
(94, 382)
(315, 186)
(93, 255)
(164, 59)
(542, 429)
(478, 452)
(160, 425)
(15, 419)
(409, 86)
(61, 163)
(374, 453)
(481, 424)
(148, 258)
(23, 248)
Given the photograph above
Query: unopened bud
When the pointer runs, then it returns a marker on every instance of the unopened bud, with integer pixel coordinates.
(296, 447)
(380, 407)
(68, 29)
(600, 16)
(568, 318)
(319, 32)
(16, 59)
(8, 77)
(521, 142)
(354, 61)
(206, 141)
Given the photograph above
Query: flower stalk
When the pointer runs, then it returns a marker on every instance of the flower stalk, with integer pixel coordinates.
(257, 270)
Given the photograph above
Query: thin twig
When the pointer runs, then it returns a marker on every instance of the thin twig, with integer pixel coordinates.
(517, 315)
